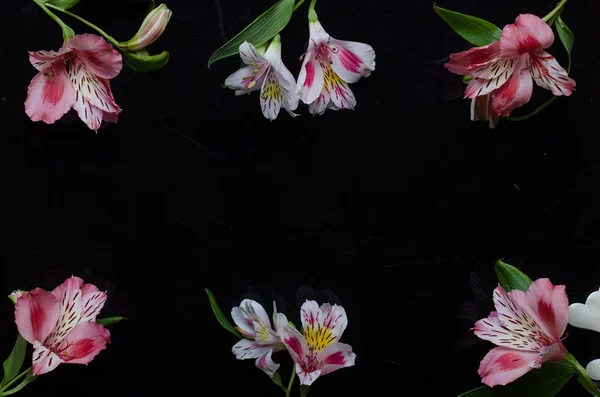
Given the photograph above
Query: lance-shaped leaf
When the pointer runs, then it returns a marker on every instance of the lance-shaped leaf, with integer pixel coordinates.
(259, 31)
(476, 31)
(510, 277)
(566, 36)
(13, 363)
(141, 61)
(219, 314)
(543, 382)
(64, 4)
(108, 321)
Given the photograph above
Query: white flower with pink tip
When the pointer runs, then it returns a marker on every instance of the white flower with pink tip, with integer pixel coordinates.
(317, 350)
(260, 339)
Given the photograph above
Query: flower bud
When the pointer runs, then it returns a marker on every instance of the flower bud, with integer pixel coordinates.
(15, 295)
(152, 28)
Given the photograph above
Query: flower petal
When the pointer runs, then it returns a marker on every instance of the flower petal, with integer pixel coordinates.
(336, 356)
(245, 325)
(503, 365)
(294, 342)
(36, 314)
(462, 62)
(43, 360)
(311, 315)
(246, 348)
(41, 60)
(516, 91)
(271, 96)
(481, 109)
(288, 83)
(84, 343)
(266, 363)
(322, 103)
(250, 55)
(528, 34)
(92, 88)
(493, 330)
(246, 79)
(593, 369)
(335, 319)
(547, 304)
(352, 60)
(307, 378)
(97, 55)
(279, 319)
(93, 301)
(341, 94)
(50, 94)
(548, 74)
(310, 79)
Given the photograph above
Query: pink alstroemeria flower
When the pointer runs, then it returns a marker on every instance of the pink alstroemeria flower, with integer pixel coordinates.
(527, 327)
(268, 74)
(75, 76)
(507, 67)
(329, 66)
(318, 352)
(61, 324)
(261, 340)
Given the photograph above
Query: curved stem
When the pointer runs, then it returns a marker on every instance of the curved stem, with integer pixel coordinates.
(582, 376)
(555, 11)
(67, 31)
(91, 25)
(298, 4)
(291, 382)
(4, 392)
(312, 14)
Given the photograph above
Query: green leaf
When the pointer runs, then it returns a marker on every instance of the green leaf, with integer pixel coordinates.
(259, 31)
(13, 363)
(64, 4)
(304, 390)
(219, 314)
(108, 321)
(29, 377)
(543, 382)
(277, 380)
(565, 34)
(141, 61)
(475, 30)
(510, 277)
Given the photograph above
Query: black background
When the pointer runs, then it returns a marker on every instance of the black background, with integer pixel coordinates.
(391, 206)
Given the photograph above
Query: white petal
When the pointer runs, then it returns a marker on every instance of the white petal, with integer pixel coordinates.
(310, 79)
(250, 55)
(244, 324)
(352, 60)
(320, 104)
(586, 315)
(548, 74)
(339, 91)
(593, 369)
(247, 348)
(246, 79)
(44, 360)
(266, 363)
(94, 89)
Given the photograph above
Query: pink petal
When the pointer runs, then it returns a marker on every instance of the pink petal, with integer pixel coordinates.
(493, 330)
(335, 319)
(50, 94)
(460, 63)
(41, 60)
(528, 34)
(490, 76)
(307, 377)
(266, 363)
(97, 55)
(246, 348)
(481, 109)
(44, 360)
(503, 365)
(244, 326)
(36, 314)
(516, 91)
(351, 60)
(547, 304)
(310, 79)
(92, 88)
(294, 342)
(336, 356)
(84, 343)
(93, 301)
(548, 74)
(321, 104)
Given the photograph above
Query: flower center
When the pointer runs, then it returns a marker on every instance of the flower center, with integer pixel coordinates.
(318, 338)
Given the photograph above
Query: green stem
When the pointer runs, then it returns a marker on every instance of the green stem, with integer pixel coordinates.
(555, 11)
(312, 14)
(91, 25)
(67, 31)
(582, 376)
(298, 4)
(9, 384)
(291, 382)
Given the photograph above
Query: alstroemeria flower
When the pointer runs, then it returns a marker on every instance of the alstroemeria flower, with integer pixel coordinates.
(260, 339)
(507, 68)
(527, 327)
(481, 109)
(152, 28)
(75, 76)
(317, 352)
(61, 324)
(268, 74)
(329, 66)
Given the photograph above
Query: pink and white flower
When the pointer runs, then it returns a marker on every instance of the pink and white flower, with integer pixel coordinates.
(527, 327)
(268, 74)
(76, 76)
(506, 69)
(318, 351)
(260, 340)
(61, 324)
(329, 66)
